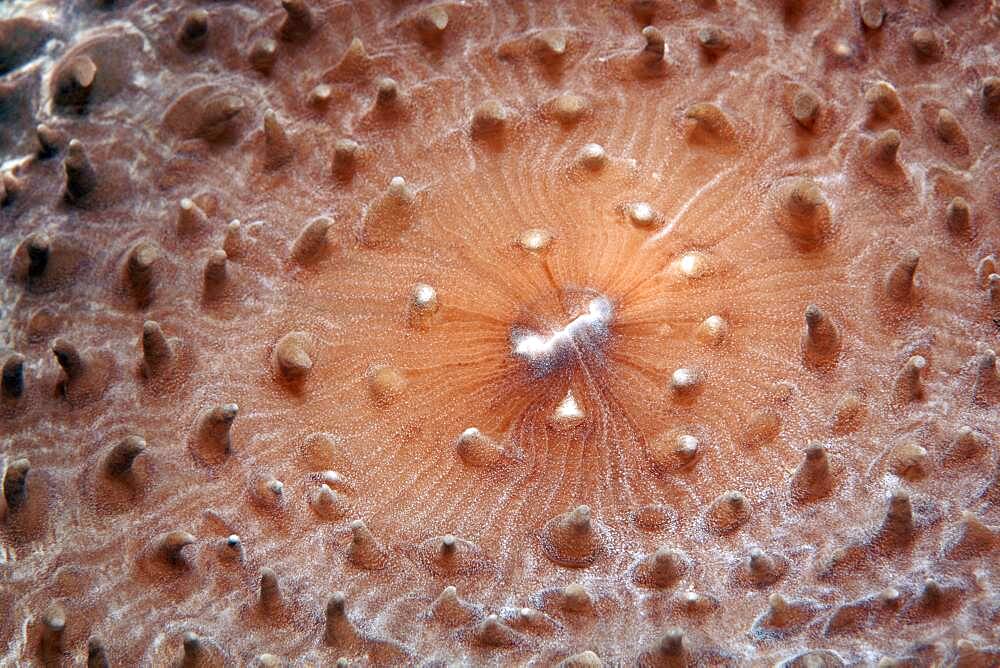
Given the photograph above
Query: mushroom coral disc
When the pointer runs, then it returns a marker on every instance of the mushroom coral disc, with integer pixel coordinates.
(640, 333)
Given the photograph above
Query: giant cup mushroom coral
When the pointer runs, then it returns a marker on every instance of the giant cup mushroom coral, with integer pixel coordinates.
(581, 333)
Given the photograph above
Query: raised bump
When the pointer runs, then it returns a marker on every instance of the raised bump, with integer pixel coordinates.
(991, 96)
(783, 616)
(119, 461)
(218, 115)
(355, 59)
(386, 384)
(431, 23)
(883, 99)
(97, 655)
(232, 242)
(986, 267)
(423, 305)
(642, 214)
(263, 55)
(191, 218)
(320, 96)
(661, 569)
(713, 330)
(713, 40)
(909, 461)
(231, 548)
(727, 513)
(38, 248)
(889, 597)
(329, 504)
(966, 444)
(345, 157)
(291, 360)
(386, 92)
(49, 140)
(574, 599)
(925, 43)
(72, 362)
(551, 44)
(669, 651)
(339, 631)
(312, 242)
(451, 556)
(872, 13)
(197, 651)
(139, 272)
(592, 157)
(763, 427)
(932, 599)
(685, 381)
(169, 548)
(883, 155)
(806, 108)
(450, 610)
(298, 22)
(708, 122)
(986, 387)
(267, 493)
(587, 659)
(812, 479)
(389, 215)
(489, 119)
(899, 281)
(81, 177)
(51, 644)
(495, 633)
(673, 450)
(764, 569)
(10, 187)
(568, 415)
(568, 108)
(821, 339)
(897, 528)
(958, 216)
(695, 603)
(364, 551)
(193, 32)
(269, 592)
(571, 539)
(15, 483)
(157, 353)
(12, 385)
(848, 413)
(534, 240)
(74, 82)
(533, 621)
(214, 426)
(278, 148)
(910, 383)
(967, 655)
(805, 214)
(215, 275)
(476, 449)
(655, 48)
(973, 538)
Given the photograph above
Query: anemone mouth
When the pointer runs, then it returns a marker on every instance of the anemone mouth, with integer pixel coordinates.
(581, 340)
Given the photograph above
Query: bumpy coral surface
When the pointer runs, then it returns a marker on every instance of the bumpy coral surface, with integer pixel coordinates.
(583, 333)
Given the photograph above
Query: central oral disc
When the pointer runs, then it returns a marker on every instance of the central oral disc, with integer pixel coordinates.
(584, 337)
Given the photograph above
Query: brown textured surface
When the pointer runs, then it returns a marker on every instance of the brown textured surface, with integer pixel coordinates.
(708, 138)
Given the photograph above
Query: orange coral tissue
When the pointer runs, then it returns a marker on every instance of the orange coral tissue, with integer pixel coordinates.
(393, 332)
